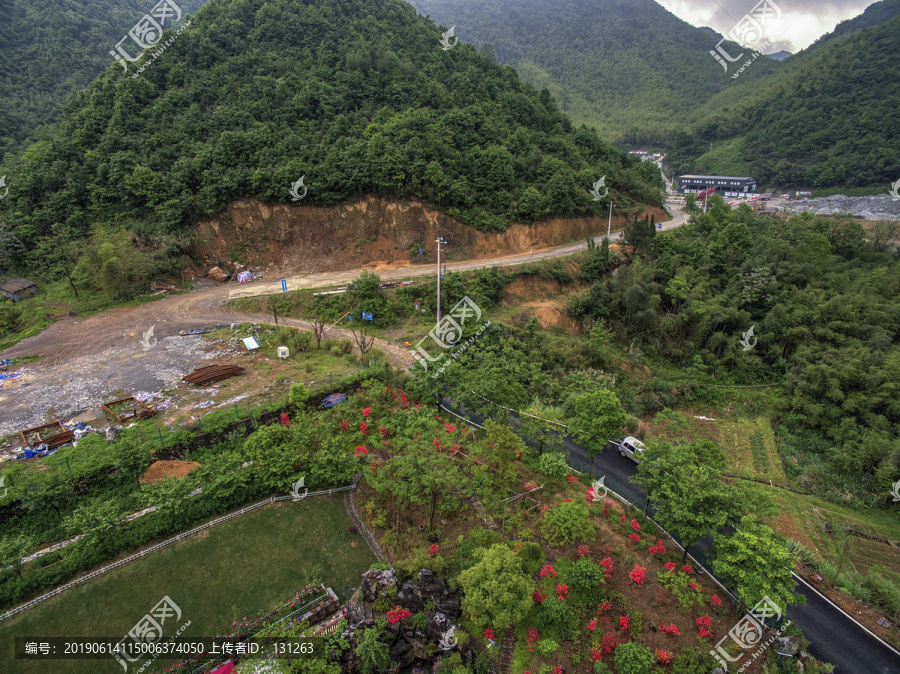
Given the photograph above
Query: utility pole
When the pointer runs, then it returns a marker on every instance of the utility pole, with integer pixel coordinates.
(609, 226)
(439, 241)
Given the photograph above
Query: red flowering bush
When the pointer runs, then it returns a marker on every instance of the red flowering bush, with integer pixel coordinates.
(450, 428)
(537, 597)
(397, 614)
(635, 538)
(361, 450)
(663, 657)
(530, 485)
(583, 550)
(545, 508)
(489, 633)
(548, 570)
(635, 525)
(567, 500)
(436, 444)
(669, 628)
(373, 467)
(607, 564)
(694, 586)
(671, 566)
(557, 669)
(687, 569)
(383, 431)
(638, 574)
(608, 643)
(345, 425)
(623, 518)
(704, 622)
(364, 427)
(572, 479)
(434, 549)
(623, 622)
(367, 411)
(715, 601)
(532, 637)
(706, 632)
(604, 606)
(592, 625)
(657, 549)
(596, 656)
(562, 592)
(607, 504)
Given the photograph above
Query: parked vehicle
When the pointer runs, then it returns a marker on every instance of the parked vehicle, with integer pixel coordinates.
(631, 448)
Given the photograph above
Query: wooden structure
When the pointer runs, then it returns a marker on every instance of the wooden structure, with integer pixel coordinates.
(207, 375)
(53, 435)
(17, 288)
(128, 408)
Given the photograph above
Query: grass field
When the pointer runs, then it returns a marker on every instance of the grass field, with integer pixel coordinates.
(242, 568)
(749, 446)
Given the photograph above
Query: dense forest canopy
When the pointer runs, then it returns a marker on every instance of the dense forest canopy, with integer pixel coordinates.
(357, 97)
(629, 68)
(50, 50)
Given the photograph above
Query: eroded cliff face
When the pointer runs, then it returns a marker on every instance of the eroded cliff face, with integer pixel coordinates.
(371, 232)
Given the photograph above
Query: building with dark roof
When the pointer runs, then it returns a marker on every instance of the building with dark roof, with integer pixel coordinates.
(17, 288)
(727, 186)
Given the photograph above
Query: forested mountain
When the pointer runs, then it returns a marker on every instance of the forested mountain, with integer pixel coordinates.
(358, 97)
(830, 120)
(51, 49)
(629, 68)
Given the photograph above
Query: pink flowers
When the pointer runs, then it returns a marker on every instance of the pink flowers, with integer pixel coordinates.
(537, 597)
(367, 411)
(634, 538)
(583, 550)
(592, 625)
(567, 500)
(663, 657)
(434, 549)
(694, 586)
(489, 633)
(345, 425)
(562, 591)
(607, 504)
(532, 637)
(623, 622)
(557, 669)
(361, 450)
(397, 614)
(604, 606)
(595, 654)
(669, 628)
(670, 566)
(607, 564)
(706, 633)
(364, 428)
(623, 518)
(687, 569)
(548, 570)
(657, 549)
(530, 485)
(635, 525)
(704, 622)
(715, 601)
(638, 574)
(450, 428)
(572, 479)
(608, 644)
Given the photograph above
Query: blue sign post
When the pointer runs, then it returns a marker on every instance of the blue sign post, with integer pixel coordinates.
(283, 286)
(367, 316)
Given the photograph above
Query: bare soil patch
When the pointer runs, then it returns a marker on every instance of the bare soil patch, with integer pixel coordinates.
(159, 470)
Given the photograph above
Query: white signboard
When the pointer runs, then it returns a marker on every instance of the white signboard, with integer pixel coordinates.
(250, 343)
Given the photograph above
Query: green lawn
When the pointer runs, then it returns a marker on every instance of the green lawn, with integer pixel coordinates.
(242, 568)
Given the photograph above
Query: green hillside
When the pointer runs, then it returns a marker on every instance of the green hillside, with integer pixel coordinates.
(629, 68)
(357, 97)
(830, 121)
(51, 49)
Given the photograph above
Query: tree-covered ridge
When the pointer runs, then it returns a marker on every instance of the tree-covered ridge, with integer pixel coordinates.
(830, 121)
(629, 68)
(51, 49)
(358, 97)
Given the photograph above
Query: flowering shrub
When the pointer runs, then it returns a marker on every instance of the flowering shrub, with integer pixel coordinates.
(638, 574)
(367, 411)
(663, 657)
(657, 549)
(669, 628)
(537, 597)
(715, 601)
(434, 549)
(572, 479)
(345, 425)
(383, 431)
(557, 669)
(450, 428)
(532, 637)
(548, 570)
(704, 621)
(567, 500)
(530, 485)
(592, 625)
(687, 592)
(694, 586)
(687, 569)
(489, 633)
(545, 508)
(436, 444)
(635, 525)
(604, 606)
(607, 504)
(583, 550)
(608, 644)
(623, 518)
(562, 592)
(361, 450)
(634, 538)
(706, 633)
(623, 622)
(364, 427)
(607, 564)
(596, 656)
(671, 566)
(397, 614)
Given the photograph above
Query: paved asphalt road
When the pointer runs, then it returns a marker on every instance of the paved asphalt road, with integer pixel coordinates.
(834, 637)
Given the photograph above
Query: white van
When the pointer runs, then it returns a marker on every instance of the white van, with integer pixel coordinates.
(632, 448)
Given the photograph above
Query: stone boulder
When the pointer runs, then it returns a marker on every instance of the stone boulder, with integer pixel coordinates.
(375, 584)
(430, 588)
(216, 274)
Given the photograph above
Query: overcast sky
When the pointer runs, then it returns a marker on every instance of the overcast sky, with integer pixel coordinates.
(809, 19)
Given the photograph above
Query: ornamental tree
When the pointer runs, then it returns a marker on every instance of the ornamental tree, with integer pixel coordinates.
(496, 589)
(599, 416)
(567, 522)
(756, 564)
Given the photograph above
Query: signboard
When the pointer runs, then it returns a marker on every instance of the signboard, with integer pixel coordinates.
(283, 286)
(367, 316)
(250, 343)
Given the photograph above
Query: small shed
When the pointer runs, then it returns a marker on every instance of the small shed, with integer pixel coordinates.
(17, 288)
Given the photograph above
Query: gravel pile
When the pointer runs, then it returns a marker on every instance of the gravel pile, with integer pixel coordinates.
(881, 207)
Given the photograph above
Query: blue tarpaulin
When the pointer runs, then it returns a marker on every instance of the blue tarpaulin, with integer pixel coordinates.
(334, 399)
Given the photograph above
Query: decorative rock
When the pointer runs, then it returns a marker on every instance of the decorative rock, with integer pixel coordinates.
(375, 584)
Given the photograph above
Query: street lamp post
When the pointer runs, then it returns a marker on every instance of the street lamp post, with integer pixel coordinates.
(609, 225)
(439, 241)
